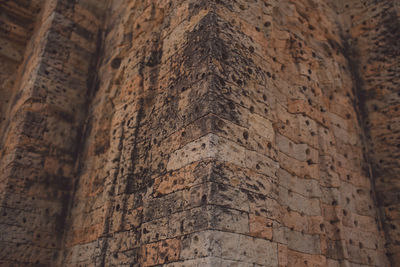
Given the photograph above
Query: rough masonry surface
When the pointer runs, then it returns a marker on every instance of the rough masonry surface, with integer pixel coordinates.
(200, 133)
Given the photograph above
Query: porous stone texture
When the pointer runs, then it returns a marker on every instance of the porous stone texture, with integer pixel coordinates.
(373, 50)
(199, 133)
(41, 127)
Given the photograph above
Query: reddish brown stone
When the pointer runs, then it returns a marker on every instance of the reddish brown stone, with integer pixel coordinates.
(199, 133)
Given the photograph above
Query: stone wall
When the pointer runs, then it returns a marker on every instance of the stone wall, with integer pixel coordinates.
(203, 133)
(17, 25)
(373, 41)
(41, 130)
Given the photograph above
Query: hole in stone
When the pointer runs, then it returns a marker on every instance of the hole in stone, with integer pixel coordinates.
(204, 199)
(115, 63)
(245, 135)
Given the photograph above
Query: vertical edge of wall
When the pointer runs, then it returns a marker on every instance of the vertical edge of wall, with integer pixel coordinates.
(220, 126)
(40, 143)
(213, 125)
(373, 51)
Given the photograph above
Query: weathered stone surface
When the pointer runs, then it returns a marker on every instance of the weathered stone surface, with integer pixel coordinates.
(199, 133)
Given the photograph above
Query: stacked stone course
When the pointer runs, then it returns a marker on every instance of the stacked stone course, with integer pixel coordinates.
(199, 133)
